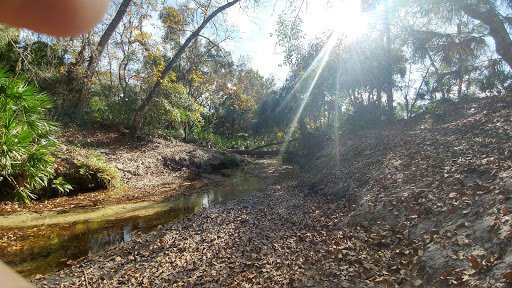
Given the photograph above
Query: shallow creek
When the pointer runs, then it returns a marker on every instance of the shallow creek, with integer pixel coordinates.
(51, 241)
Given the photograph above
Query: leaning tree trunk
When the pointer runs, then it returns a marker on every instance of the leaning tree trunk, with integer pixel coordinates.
(491, 18)
(73, 77)
(94, 58)
(139, 115)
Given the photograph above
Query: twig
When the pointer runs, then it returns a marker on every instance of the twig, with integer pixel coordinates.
(86, 282)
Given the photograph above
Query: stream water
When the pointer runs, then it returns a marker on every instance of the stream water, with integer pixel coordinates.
(47, 248)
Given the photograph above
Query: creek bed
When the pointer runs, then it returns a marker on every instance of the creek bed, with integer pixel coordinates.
(47, 243)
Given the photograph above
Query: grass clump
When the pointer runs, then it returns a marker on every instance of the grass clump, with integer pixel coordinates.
(88, 170)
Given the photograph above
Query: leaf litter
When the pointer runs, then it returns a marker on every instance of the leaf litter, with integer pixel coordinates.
(421, 204)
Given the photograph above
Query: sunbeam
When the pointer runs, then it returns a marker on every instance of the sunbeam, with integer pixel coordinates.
(322, 58)
(347, 22)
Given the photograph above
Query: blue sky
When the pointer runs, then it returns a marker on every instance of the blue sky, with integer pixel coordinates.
(255, 40)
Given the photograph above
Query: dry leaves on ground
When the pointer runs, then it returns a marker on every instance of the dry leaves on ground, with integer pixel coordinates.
(422, 204)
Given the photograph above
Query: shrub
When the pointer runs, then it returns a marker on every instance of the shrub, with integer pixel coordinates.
(87, 170)
(95, 164)
(363, 117)
(439, 107)
(26, 141)
(229, 161)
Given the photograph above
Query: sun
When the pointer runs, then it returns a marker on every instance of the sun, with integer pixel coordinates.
(344, 18)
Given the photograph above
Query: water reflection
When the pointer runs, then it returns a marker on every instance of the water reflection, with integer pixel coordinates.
(127, 229)
(206, 201)
(54, 247)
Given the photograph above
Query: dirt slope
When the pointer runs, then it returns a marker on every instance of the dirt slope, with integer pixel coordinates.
(424, 203)
(445, 180)
(154, 163)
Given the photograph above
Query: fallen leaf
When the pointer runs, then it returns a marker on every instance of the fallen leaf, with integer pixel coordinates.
(505, 211)
(474, 263)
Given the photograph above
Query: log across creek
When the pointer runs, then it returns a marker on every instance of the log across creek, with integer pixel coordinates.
(257, 152)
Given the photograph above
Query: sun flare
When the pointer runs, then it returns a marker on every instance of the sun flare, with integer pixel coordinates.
(345, 18)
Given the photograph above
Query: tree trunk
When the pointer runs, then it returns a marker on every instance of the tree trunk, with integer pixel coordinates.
(459, 86)
(139, 115)
(73, 77)
(304, 134)
(379, 98)
(497, 30)
(390, 115)
(186, 131)
(94, 58)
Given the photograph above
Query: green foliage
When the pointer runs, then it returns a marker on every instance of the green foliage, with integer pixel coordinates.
(438, 108)
(302, 153)
(362, 117)
(95, 168)
(496, 79)
(109, 105)
(9, 56)
(26, 141)
(62, 186)
(96, 164)
(289, 36)
(172, 114)
(8, 33)
(205, 136)
(39, 62)
(42, 56)
(174, 21)
(229, 161)
(270, 114)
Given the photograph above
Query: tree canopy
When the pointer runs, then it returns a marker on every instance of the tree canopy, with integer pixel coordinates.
(163, 69)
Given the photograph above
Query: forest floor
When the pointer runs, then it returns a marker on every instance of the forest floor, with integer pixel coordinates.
(422, 203)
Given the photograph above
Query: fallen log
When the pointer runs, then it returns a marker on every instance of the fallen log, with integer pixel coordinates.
(255, 153)
(272, 144)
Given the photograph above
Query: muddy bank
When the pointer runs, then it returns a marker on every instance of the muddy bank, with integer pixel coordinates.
(152, 163)
(152, 171)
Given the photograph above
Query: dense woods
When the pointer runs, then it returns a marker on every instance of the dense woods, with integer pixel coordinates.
(160, 69)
